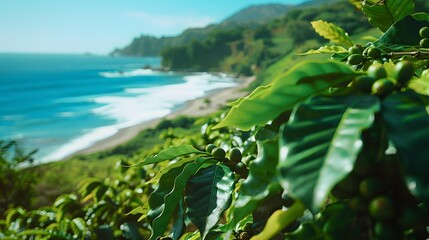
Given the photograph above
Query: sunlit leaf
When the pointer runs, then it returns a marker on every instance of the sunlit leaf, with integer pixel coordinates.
(320, 144)
(332, 32)
(356, 3)
(420, 85)
(326, 49)
(139, 210)
(170, 153)
(279, 220)
(383, 14)
(79, 226)
(208, 194)
(288, 89)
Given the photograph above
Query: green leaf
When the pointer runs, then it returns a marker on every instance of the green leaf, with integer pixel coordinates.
(287, 90)
(208, 194)
(166, 169)
(332, 32)
(261, 182)
(88, 185)
(320, 144)
(164, 199)
(100, 192)
(179, 225)
(407, 123)
(279, 220)
(139, 210)
(356, 3)
(383, 14)
(421, 16)
(326, 49)
(402, 34)
(170, 153)
(78, 226)
(156, 198)
(420, 85)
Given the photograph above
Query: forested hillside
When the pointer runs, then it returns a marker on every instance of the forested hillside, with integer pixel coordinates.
(246, 51)
(251, 17)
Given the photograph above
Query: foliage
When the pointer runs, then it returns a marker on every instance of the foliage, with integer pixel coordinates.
(146, 45)
(247, 51)
(331, 137)
(329, 149)
(16, 188)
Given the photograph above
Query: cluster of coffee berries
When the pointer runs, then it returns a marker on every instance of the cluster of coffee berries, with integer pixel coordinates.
(360, 55)
(377, 82)
(382, 205)
(233, 160)
(424, 34)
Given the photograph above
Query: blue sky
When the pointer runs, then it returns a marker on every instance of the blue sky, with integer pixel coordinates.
(98, 26)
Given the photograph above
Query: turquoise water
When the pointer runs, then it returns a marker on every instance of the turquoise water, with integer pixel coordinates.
(60, 104)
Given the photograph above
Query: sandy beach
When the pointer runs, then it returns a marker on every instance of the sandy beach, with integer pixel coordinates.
(194, 108)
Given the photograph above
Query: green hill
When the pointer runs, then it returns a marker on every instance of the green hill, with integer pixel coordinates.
(250, 17)
(259, 14)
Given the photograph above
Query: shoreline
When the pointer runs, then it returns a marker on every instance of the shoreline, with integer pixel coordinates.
(192, 108)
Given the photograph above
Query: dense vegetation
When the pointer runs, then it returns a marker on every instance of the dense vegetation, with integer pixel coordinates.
(152, 46)
(329, 149)
(246, 51)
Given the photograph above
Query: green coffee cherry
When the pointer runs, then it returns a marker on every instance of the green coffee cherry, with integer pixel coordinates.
(370, 187)
(383, 87)
(382, 208)
(363, 83)
(404, 70)
(219, 154)
(235, 155)
(210, 147)
(358, 204)
(355, 59)
(424, 43)
(377, 71)
(424, 32)
(356, 49)
(241, 169)
(425, 73)
(374, 52)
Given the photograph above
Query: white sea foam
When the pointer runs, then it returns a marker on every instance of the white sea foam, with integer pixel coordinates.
(133, 73)
(142, 104)
(81, 143)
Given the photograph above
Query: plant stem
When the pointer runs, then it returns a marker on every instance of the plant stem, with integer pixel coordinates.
(419, 54)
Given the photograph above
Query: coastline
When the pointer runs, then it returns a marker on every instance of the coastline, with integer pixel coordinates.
(192, 108)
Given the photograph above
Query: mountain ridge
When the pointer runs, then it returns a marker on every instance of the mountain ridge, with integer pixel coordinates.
(252, 16)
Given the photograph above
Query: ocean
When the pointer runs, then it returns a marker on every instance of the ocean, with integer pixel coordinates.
(60, 104)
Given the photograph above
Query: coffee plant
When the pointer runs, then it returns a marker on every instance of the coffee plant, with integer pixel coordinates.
(330, 149)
